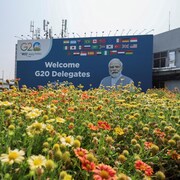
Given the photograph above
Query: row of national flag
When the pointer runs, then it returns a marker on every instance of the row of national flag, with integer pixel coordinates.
(101, 41)
(103, 52)
(101, 47)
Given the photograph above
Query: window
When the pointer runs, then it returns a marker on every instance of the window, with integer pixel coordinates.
(172, 58)
(160, 59)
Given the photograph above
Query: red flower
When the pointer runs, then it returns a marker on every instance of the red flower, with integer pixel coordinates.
(104, 125)
(87, 165)
(104, 172)
(140, 165)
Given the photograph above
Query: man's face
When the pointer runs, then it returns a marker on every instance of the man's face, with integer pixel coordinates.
(115, 69)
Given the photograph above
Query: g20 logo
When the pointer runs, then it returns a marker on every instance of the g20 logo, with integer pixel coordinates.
(29, 46)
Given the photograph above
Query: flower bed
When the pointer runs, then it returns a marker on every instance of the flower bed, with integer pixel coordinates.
(67, 133)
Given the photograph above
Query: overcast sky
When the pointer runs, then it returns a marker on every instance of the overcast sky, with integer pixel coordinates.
(83, 16)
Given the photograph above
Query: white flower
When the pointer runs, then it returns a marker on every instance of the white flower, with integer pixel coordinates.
(68, 141)
(36, 162)
(12, 156)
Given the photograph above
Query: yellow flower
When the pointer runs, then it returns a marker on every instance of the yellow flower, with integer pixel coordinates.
(118, 131)
(60, 120)
(36, 162)
(35, 128)
(12, 156)
(5, 103)
(31, 112)
(50, 120)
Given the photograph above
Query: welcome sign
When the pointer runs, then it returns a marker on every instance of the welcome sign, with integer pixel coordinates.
(83, 60)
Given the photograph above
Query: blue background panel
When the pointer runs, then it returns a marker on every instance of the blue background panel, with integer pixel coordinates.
(92, 55)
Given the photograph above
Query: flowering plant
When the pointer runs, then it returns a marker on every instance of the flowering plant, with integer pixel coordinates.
(65, 132)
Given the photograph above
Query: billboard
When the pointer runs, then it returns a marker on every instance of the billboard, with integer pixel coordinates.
(83, 60)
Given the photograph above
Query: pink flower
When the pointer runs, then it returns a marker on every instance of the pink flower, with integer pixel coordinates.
(104, 172)
(80, 153)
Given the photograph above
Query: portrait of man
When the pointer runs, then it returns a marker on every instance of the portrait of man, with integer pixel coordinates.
(116, 77)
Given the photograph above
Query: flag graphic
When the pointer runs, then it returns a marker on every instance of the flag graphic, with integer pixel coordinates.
(87, 41)
(73, 42)
(94, 41)
(83, 53)
(112, 52)
(102, 46)
(98, 52)
(117, 46)
(72, 47)
(87, 47)
(125, 40)
(102, 41)
(78, 41)
(121, 52)
(91, 53)
(109, 46)
(118, 40)
(94, 47)
(66, 41)
(76, 53)
(133, 40)
(66, 47)
(106, 53)
(133, 46)
(129, 52)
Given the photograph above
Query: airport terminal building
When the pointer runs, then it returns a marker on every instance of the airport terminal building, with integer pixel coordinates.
(166, 62)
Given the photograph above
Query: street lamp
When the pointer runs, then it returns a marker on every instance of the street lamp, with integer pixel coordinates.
(128, 31)
(19, 37)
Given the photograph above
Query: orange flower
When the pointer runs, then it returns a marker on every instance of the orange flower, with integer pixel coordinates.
(140, 165)
(88, 165)
(93, 127)
(148, 145)
(104, 125)
(159, 133)
(54, 101)
(71, 109)
(80, 153)
(84, 95)
(64, 91)
(174, 155)
(103, 172)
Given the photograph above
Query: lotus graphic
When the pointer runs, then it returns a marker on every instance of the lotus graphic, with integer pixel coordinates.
(36, 46)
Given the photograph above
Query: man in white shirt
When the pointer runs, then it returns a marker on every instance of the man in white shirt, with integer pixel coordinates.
(116, 78)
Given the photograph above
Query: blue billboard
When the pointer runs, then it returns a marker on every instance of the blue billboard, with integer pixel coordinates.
(84, 60)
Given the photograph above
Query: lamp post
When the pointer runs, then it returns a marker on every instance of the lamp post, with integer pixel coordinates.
(122, 32)
(19, 37)
(135, 32)
(128, 32)
(142, 31)
(116, 32)
(30, 36)
(102, 33)
(150, 31)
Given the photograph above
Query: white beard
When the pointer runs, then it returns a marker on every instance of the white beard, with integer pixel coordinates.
(114, 75)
